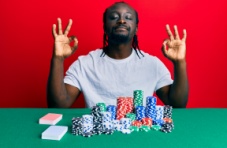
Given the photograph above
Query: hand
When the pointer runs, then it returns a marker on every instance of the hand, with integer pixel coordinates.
(62, 46)
(174, 48)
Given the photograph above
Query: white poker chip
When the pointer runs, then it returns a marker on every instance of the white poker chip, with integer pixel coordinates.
(126, 131)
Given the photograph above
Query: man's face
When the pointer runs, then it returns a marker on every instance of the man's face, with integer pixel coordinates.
(120, 25)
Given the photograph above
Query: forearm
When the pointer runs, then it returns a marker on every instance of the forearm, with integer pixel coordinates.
(56, 91)
(178, 95)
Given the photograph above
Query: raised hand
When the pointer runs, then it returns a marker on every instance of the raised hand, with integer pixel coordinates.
(62, 46)
(174, 48)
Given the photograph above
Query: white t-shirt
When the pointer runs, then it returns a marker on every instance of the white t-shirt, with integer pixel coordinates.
(103, 79)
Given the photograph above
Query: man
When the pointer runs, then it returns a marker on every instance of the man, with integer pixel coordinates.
(119, 68)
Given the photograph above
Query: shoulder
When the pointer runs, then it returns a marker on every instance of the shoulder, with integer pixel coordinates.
(150, 60)
(92, 54)
(88, 59)
(146, 56)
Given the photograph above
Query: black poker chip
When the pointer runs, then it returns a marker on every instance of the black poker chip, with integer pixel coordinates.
(88, 134)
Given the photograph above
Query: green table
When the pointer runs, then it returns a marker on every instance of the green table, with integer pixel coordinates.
(194, 128)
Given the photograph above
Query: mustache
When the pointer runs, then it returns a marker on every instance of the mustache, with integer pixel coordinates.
(121, 26)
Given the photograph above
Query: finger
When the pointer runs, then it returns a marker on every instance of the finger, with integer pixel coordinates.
(176, 32)
(68, 27)
(59, 26)
(169, 32)
(71, 38)
(164, 47)
(54, 31)
(75, 46)
(184, 35)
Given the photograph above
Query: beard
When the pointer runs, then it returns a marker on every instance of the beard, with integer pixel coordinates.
(118, 38)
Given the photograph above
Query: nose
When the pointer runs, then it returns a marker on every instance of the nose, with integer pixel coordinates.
(121, 21)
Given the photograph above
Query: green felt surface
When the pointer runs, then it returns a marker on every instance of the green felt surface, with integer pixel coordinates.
(194, 128)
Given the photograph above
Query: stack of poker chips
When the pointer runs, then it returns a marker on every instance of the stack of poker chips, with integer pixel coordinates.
(138, 98)
(87, 126)
(140, 112)
(113, 110)
(168, 125)
(125, 124)
(116, 125)
(159, 115)
(167, 111)
(151, 102)
(107, 123)
(124, 106)
(129, 115)
(129, 104)
(121, 108)
(77, 126)
(97, 120)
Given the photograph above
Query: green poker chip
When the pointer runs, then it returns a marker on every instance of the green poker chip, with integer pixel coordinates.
(156, 127)
(145, 128)
(134, 129)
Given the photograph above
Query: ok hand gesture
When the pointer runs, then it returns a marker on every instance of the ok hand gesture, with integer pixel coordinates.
(62, 46)
(174, 48)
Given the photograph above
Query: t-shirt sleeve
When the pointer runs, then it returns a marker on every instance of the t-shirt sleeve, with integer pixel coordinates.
(163, 75)
(73, 74)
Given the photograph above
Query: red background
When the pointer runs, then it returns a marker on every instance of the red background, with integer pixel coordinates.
(26, 43)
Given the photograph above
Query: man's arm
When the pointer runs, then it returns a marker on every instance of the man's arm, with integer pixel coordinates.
(176, 94)
(58, 93)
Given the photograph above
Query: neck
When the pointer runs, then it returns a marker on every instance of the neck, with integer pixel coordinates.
(120, 51)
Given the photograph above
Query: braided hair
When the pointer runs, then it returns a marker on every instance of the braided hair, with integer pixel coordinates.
(135, 44)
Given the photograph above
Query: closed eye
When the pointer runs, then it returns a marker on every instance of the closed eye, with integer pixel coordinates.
(113, 17)
(128, 18)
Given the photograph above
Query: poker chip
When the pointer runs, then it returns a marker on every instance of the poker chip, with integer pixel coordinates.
(140, 112)
(126, 131)
(113, 110)
(167, 127)
(167, 120)
(88, 134)
(145, 128)
(96, 132)
(108, 132)
(147, 121)
(129, 104)
(134, 129)
(129, 115)
(156, 127)
(121, 108)
(136, 123)
(138, 98)
(167, 111)
(102, 106)
(77, 126)
(150, 112)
